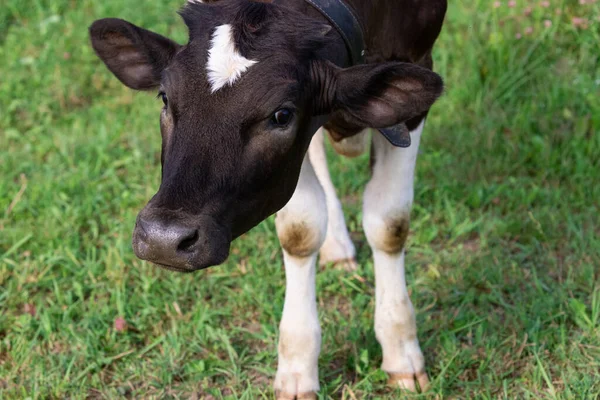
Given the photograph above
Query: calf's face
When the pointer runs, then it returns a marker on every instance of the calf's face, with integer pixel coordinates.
(242, 100)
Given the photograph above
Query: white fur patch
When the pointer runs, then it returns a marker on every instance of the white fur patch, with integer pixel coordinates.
(390, 193)
(300, 332)
(225, 64)
(338, 245)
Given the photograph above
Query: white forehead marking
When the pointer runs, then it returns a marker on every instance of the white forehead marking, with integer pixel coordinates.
(225, 64)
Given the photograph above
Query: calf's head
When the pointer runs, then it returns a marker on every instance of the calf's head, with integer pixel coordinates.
(242, 100)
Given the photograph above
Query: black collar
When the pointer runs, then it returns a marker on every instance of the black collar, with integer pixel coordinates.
(346, 23)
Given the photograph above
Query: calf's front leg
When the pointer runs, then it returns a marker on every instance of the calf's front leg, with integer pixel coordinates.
(386, 216)
(301, 227)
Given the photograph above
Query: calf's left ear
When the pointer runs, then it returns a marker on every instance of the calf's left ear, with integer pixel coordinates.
(375, 95)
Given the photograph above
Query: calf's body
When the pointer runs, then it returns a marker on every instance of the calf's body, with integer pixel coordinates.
(247, 104)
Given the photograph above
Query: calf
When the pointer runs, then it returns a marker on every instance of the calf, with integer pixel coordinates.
(247, 102)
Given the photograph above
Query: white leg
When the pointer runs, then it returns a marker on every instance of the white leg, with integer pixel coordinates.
(338, 247)
(301, 227)
(386, 218)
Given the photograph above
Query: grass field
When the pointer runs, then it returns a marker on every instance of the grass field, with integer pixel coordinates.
(503, 260)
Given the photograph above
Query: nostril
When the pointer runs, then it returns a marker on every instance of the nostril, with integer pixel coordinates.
(142, 229)
(187, 242)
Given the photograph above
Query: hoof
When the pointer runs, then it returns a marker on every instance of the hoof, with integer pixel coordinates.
(338, 250)
(409, 381)
(302, 396)
(345, 264)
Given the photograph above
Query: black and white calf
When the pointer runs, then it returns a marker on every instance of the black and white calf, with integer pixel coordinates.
(247, 103)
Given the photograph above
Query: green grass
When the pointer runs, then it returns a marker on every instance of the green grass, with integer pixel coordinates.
(503, 259)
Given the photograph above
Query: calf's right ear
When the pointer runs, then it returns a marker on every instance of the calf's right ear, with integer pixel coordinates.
(134, 55)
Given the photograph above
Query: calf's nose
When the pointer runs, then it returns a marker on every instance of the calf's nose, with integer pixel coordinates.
(176, 245)
(167, 238)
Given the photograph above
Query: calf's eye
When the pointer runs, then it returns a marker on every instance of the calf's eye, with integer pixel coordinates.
(164, 98)
(282, 117)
